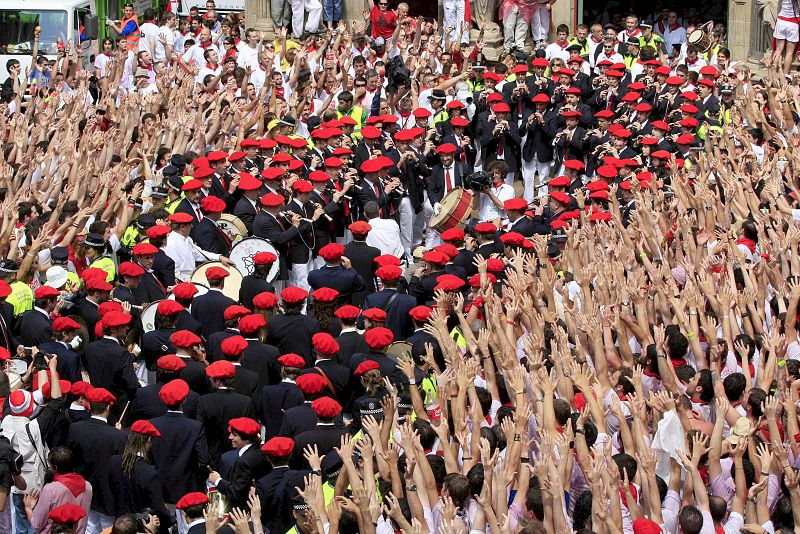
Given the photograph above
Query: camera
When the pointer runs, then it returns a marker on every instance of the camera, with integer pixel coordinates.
(142, 519)
(478, 181)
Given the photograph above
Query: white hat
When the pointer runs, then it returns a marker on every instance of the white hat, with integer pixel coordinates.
(56, 276)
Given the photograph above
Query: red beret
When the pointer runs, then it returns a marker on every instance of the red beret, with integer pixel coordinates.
(326, 407)
(494, 97)
(217, 155)
(446, 148)
(168, 307)
(449, 250)
(62, 324)
(448, 282)
(643, 525)
(375, 315)
(81, 388)
(234, 345)
(660, 154)
(234, 311)
(366, 366)
(501, 107)
(571, 114)
(520, 69)
(371, 165)
(334, 163)
(387, 259)
(129, 268)
(574, 164)
(145, 249)
(245, 425)
(495, 265)
(389, 272)
(325, 294)
(347, 312)
(325, 343)
(433, 256)
(248, 143)
(598, 185)
(203, 172)
(184, 290)
(173, 392)
(281, 157)
(184, 339)
(66, 513)
(293, 295)
(599, 195)
(378, 338)
(318, 176)
(311, 383)
(221, 369)
(5, 289)
(264, 258)
(145, 427)
(512, 238)
(685, 139)
(607, 171)
(485, 228)
(292, 360)
(272, 173)
(265, 300)
(248, 182)
(236, 156)
(475, 279)
(331, 252)
(560, 181)
(360, 228)
(453, 234)
(458, 122)
(192, 185)
(421, 314)
(66, 387)
(706, 82)
(370, 132)
(4, 354)
(249, 324)
(217, 273)
(600, 216)
(560, 197)
(100, 395)
(541, 98)
(517, 204)
(272, 200)
(170, 362)
(278, 447)
(113, 319)
(302, 186)
(648, 141)
(180, 218)
(213, 204)
(421, 113)
(195, 498)
(109, 306)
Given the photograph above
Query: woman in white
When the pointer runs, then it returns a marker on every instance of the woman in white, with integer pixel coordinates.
(786, 34)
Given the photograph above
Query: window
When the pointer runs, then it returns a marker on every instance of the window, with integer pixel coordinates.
(17, 27)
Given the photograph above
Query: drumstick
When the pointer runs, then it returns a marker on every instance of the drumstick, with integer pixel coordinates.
(124, 411)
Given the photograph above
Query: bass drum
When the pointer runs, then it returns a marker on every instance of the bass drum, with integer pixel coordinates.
(232, 283)
(233, 227)
(243, 252)
(148, 317)
(455, 210)
(399, 350)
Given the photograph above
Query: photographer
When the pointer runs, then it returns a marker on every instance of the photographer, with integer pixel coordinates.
(27, 435)
(493, 198)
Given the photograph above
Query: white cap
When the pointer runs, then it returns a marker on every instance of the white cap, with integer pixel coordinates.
(56, 276)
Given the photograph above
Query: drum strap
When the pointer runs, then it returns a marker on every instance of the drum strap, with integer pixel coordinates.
(391, 299)
(329, 385)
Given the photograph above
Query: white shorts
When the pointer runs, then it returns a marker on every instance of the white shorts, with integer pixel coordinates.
(788, 31)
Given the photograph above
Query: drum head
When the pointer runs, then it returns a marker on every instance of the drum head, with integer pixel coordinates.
(202, 289)
(398, 350)
(243, 252)
(149, 317)
(232, 225)
(695, 36)
(83, 332)
(232, 283)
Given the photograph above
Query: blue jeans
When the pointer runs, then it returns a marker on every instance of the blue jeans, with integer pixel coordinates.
(21, 524)
(332, 10)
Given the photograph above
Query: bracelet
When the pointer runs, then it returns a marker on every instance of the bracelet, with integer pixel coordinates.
(691, 336)
(580, 431)
(412, 381)
(317, 472)
(512, 323)
(745, 314)
(516, 437)
(466, 457)
(412, 487)
(524, 459)
(625, 303)
(693, 313)
(787, 466)
(764, 474)
(660, 355)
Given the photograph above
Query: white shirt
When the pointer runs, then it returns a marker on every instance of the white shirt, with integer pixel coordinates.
(161, 50)
(248, 56)
(195, 56)
(186, 254)
(205, 71)
(385, 236)
(101, 62)
(488, 211)
(148, 31)
(556, 50)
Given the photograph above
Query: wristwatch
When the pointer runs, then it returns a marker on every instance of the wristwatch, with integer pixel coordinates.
(412, 487)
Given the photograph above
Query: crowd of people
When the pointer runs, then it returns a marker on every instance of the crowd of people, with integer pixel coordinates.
(601, 336)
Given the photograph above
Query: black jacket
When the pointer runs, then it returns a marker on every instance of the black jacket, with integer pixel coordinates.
(110, 366)
(250, 466)
(293, 333)
(437, 188)
(34, 328)
(362, 259)
(180, 455)
(138, 491)
(275, 400)
(209, 311)
(208, 236)
(215, 410)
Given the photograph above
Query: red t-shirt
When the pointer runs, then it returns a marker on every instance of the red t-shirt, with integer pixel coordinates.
(383, 22)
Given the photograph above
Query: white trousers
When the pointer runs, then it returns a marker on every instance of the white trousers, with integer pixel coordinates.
(432, 237)
(298, 275)
(299, 9)
(514, 30)
(454, 18)
(540, 23)
(407, 220)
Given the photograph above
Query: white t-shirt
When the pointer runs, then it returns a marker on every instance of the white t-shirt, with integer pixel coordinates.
(161, 51)
(101, 63)
(247, 56)
(205, 71)
(148, 31)
(488, 211)
(195, 56)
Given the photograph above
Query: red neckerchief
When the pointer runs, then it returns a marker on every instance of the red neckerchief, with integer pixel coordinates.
(635, 33)
(749, 243)
(634, 494)
(651, 374)
(563, 46)
(204, 46)
(692, 62)
(674, 27)
(695, 400)
(75, 483)
(719, 529)
(677, 362)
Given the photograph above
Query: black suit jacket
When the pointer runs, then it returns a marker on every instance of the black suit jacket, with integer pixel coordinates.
(436, 183)
(187, 322)
(539, 143)
(209, 311)
(8, 334)
(141, 490)
(292, 333)
(324, 436)
(275, 490)
(155, 344)
(275, 400)
(195, 375)
(347, 282)
(250, 466)
(397, 318)
(164, 268)
(184, 206)
(247, 383)
(208, 236)
(278, 232)
(422, 288)
(214, 343)
(362, 259)
(252, 286)
(528, 226)
(214, 411)
(69, 362)
(147, 404)
(508, 141)
(262, 359)
(88, 311)
(180, 455)
(110, 366)
(300, 419)
(245, 210)
(350, 343)
(150, 288)
(94, 442)
(337, 374)
(34, 328)
(366, 193)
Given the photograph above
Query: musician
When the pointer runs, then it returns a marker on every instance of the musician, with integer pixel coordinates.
(320, 151)
(97, 292)
(291, 331)
(256, 283)
(184, 294)
(322, 197)
(465, 152)
(129, 277)
(272, 225)
(520, 222)
(209, 309)
(231, 315)
(247, 207)
(189, 348)
(413, 170)
(259, 357)
(302, 242)
(373, 188)
(183, 250)
(396, 305)
(570, 142)
(190, 205)
(445, 176)
(273, 183)
(337, 274)
(218, 160)
(207, 233)
(423, 281)
(149, 288)
(369, 147)
(156, 343)
(362, 258)
(163, 267)
(500, 139)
